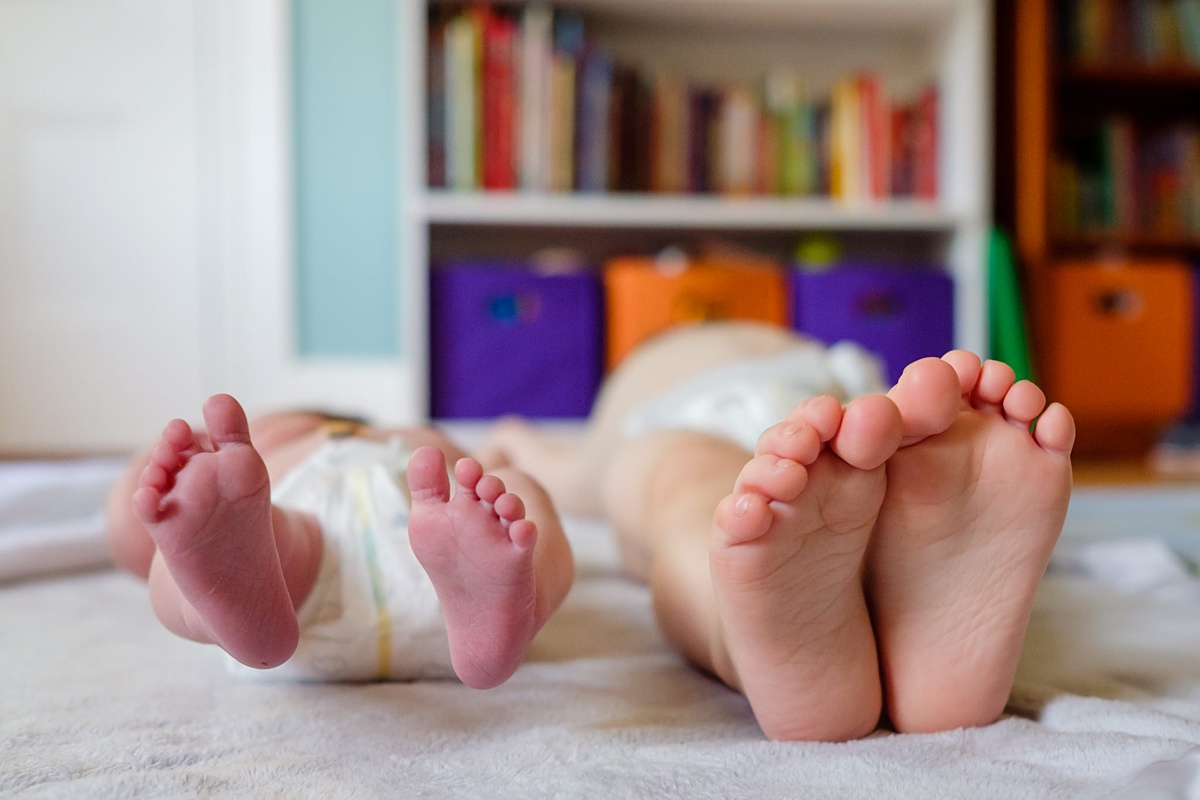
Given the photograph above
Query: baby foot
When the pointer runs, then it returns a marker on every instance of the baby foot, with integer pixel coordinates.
(786, 563)
(971, 515)
(477, 548)
(565, 465)
(206, 503)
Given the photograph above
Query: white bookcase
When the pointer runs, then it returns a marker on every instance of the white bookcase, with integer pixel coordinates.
(908, 42)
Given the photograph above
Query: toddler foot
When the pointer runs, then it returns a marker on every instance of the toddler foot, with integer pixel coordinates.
(207, 505)
(971, 515)
(477, 548)
(786, 563)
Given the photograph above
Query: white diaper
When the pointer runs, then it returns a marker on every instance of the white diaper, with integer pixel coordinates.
(373, 613)
(741, 400)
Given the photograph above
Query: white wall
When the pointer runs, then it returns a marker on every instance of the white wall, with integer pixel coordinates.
(100, 289)
(145, 224)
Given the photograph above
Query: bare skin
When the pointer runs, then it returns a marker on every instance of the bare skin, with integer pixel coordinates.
(274, 435)
(477, 548)
(964, 536)
(877, 558)
(571, 467)
(218, 574)
(868, 560)
(946, 551)
(230, 568)
(786, 554)
(763, 585)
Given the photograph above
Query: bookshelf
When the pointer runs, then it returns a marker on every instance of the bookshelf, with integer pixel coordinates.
(908, 44)
(1107, 165)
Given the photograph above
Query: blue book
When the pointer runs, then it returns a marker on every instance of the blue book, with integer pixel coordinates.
(593, 124)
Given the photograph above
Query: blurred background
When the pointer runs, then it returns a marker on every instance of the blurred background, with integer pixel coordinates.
(453, 211)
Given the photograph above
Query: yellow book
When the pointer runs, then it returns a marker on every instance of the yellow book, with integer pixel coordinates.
(562, 123)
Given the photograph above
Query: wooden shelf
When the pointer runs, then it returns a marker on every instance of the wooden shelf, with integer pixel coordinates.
(1131, 74)
(1087, 134)
(1149, 243)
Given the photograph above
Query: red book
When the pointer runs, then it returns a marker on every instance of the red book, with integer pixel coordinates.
(876, 137)
(926, 145)
(499, 102)
(902, 152)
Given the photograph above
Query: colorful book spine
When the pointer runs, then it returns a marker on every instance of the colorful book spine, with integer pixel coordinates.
(568, 45)
(499, 102)
(593, 130)
(633, 124)
(926, 144)
(782, 109)
(847, 150)
(463, 105)
(522, 98)
(668, 134)
(536, 58)
(876, 138)
(435, 105)
(561, 156)
(739, 119)
(1189, 27)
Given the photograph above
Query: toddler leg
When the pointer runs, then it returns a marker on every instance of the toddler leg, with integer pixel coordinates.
(762, 585)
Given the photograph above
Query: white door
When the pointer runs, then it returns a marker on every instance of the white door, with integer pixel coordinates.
(100, 273)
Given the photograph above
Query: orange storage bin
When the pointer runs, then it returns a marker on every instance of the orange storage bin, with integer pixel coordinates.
(646, 296)
(1118, 351)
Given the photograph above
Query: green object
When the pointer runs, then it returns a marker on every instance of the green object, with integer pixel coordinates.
(1009, 339)
(817, 252)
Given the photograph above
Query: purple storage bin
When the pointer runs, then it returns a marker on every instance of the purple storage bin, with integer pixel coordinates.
(900, 313)
(508, 340)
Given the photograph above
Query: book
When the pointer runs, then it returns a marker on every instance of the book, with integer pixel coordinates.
(568, 46)
(1189, 29)
(1121, 157)
(668, 133)
(738, 120)
(782, 108)
(536, 46)
(435, 99)
(499, 119)
(926, 144)
(632, 123)
(462, 47)
(876, 138)
(768, 179)
(846, 168)
(561, 167)
(902, 151)
(522, 98)
(702, 105)
(593, 129)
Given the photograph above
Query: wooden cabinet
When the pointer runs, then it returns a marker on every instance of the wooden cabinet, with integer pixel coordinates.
(1107, 206)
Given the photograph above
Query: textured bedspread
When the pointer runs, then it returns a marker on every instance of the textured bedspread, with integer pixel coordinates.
(97, 701)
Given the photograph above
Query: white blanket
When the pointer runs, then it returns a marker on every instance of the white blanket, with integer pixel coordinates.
(96, 700)
(51, 516)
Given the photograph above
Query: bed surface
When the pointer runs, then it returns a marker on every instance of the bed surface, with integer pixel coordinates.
(99, 701)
